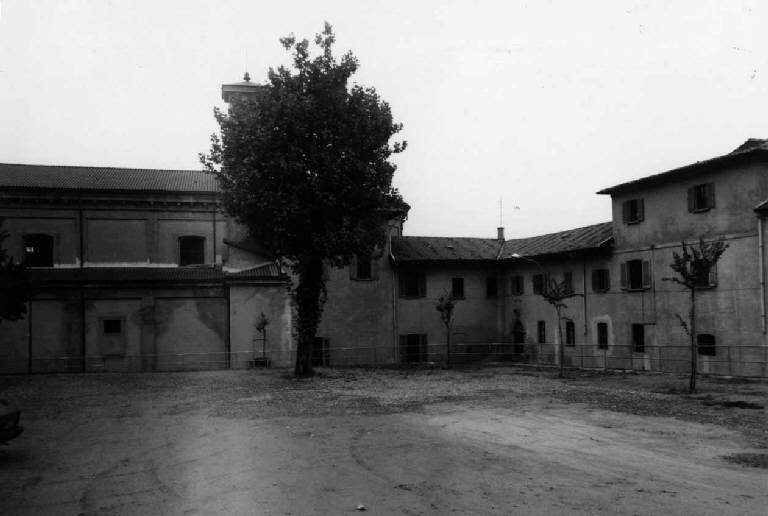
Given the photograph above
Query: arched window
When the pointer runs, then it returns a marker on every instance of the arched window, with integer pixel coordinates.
(191, 250)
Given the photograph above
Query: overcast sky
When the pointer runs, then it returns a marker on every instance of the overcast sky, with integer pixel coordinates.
(539, 102)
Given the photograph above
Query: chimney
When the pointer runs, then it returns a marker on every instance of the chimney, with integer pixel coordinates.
(500, 234)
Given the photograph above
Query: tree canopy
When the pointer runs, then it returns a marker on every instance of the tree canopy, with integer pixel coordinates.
(304, 165)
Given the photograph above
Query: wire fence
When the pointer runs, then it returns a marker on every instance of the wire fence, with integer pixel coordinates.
(743, 361)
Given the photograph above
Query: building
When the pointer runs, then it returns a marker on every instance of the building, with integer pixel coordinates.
(134, 270)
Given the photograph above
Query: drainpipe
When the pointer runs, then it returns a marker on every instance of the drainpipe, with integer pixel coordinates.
(761, 266)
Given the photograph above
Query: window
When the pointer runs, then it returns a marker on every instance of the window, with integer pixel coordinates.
(457, 288)
(362, 268)
(412, 284)
(112, 341)
(706, 344)
(191, 250)
(540, 283)
(321, 355)
(38, 250)
(638, 338)
(707, 278)
(542, 331)
(568, 280)
(570, 333)
(602, 335)
(601, 281)
(633, 211)
(413, 348)
(491, 286)
(518, 286)
(701, 197)
(636, 275)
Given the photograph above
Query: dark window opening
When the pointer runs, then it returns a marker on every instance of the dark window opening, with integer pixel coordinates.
(491, 286)
(542, 331)
(601, 280)
(518, 285)
(412, 284)
(413, 348)
(191, 250)
(633, 211)
(570, 333)
(638, 338)
(363, 268)
(321, 354)
(706, 278)
(602, 335)
(705, 343)
(539, 283)
(701, 197)
(112, 326)
(636, 275)
(38, 250)
(457, 288)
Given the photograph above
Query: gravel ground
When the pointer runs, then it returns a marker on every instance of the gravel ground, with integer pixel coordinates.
(475, 441)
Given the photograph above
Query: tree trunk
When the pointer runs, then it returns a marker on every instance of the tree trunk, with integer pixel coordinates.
(562, 346)
(309, 306)
(694, 351)
(448, 346)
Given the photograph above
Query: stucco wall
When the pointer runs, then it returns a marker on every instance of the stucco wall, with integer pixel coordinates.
(101, 354)
(246, 305)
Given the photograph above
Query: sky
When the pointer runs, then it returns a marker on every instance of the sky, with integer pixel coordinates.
(538, 104)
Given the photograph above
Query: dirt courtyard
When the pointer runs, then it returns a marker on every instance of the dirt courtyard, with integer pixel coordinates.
(489, 441)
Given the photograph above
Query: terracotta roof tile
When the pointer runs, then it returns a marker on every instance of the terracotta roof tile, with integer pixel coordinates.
(416, 249)
(105, 178)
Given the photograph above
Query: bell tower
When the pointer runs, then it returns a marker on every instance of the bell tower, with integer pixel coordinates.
(241, 90)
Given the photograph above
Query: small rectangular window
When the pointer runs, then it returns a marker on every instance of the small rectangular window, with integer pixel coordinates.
(491, 286)
(457, 288)
(600, 280)
(413, 348)
(518, 285)
(701, 197)
(539, 283)
(705, 343)
(362, 267)
(542, 331)
(602, 335)
(707, 278)
(636, 275)
(112, 326)
(412, 284)
(633, 211)
(191, 250)
(570, 333)
(638, 338)
(38, 250)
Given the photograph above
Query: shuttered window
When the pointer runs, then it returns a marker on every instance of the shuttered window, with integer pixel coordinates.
(542, 331)
(413, 284)
(602, 335)
(701, 197)
(601, 280)
(638, 338)
(518, 285)
(570, 333)
(633, 211)
(191, 250)
(636, 275)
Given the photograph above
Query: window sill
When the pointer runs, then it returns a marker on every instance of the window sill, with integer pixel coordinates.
(412, 297)
(364, 279)
(701, 210)
(632, 222)
(601, 291)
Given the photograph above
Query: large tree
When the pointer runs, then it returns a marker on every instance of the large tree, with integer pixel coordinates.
(304, 165)
(13, 285)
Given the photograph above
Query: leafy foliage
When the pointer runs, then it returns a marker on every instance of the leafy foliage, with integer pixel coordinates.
(555, 293)
(304, 165)
(446, 304)
(695, 262)
(13, 285)
(693, 266)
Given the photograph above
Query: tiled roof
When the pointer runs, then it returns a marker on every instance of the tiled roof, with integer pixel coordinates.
(579, 239)
(112, 275)
(410, 248)
(422, 249)
(105, 178)
(753, 147)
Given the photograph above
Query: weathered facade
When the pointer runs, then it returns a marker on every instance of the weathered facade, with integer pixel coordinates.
(130, 271)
